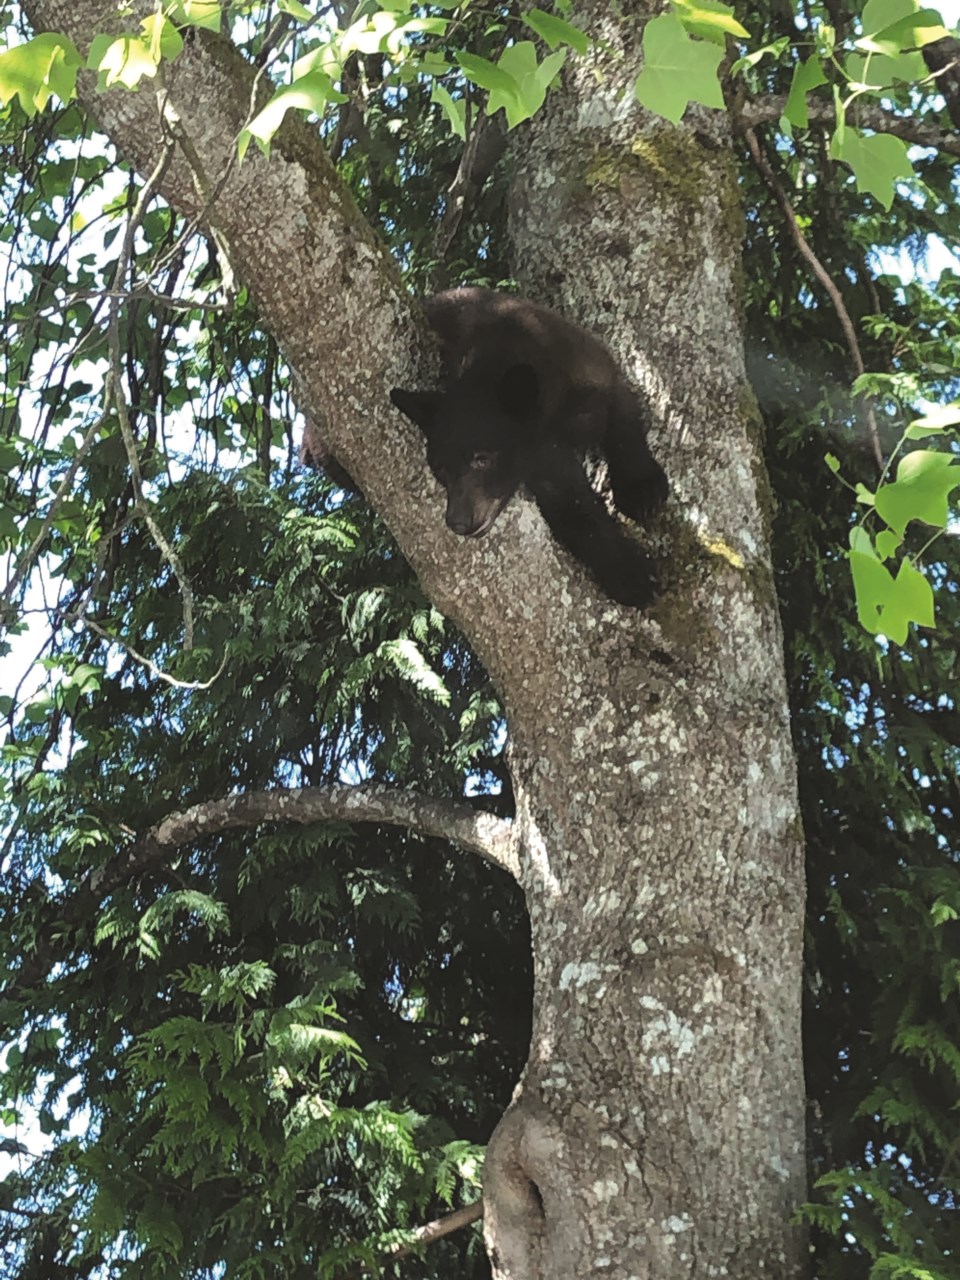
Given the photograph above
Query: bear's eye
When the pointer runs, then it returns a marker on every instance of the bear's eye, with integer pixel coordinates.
(482, 461)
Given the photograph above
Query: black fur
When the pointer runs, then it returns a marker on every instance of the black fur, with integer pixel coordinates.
(526, 395)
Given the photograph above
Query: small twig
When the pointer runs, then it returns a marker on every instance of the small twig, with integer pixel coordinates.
(274, 39)
(151, 666)
(29, 557)
(437, 1229)
(136, 292)
(833, 293)
(116, 379)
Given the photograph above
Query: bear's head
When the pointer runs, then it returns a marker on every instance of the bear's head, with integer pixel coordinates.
(477, 431)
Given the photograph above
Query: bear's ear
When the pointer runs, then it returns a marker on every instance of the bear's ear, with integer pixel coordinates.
(519, 391)
(419, 406)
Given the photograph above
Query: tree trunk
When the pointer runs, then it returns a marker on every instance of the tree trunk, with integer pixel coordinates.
(658, 1128)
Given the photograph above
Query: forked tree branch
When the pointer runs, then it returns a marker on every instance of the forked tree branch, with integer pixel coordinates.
(331, 296)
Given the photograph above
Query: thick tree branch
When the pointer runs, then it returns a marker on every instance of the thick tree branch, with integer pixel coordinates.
(330, 295)
(494, 839)
(865, 115)
(491, 837)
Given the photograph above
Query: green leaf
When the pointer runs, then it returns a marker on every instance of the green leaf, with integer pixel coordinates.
(878, 14)
(913, 596)
(517, 82)
(125, 60)
(369, 34)
(887, 543)
(676, 69)
(886, 604)
(924, 479)
(751, 59)
(33, 71)
(311, 92)
(872, 582)
(806, 76)
(825, 39)
(879, 71)
(877, 161)
(407, 660)
(163, 39)
(833, 462)
(323, 57)
(298, 10)
(519, 61)
(709, 19)
(487, 75)
(937, 420)
(455, 109)
(891, 26)
(555, 31)
(941, 912)
(198, 13)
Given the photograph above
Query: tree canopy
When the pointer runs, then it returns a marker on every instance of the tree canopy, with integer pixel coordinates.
(280, 1049)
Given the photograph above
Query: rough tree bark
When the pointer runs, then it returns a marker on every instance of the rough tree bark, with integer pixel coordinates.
(658, 1128)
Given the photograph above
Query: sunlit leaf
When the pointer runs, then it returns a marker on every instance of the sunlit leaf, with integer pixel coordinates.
(207, 14)
(126, 60)
(555, 31)
(878, 160)
(934, 422)
(924, 480)
(163, 39)
(886, 543)
(455, 109)
(677, 69)
(872, 581)
(311, 92)
(31, 72)
(710, 20)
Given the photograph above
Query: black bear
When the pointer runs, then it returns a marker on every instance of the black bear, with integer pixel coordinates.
(527, 394)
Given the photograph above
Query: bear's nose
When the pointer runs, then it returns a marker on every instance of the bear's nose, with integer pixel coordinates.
(465, 526)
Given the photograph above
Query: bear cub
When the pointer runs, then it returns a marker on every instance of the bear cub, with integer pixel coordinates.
(526, 395)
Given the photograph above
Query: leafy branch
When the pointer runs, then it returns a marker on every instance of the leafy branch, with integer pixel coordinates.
(925, 479)
(494, 839)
